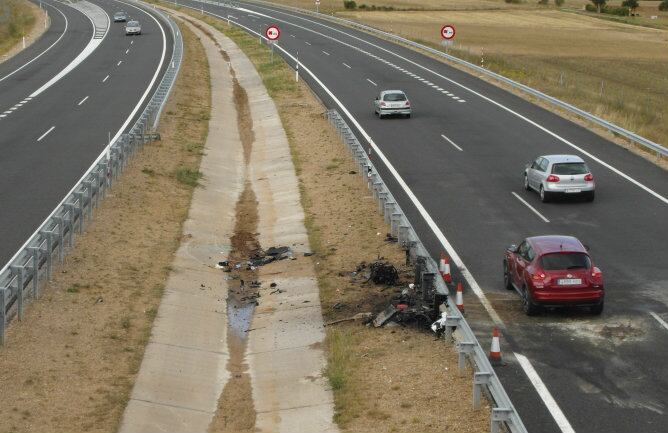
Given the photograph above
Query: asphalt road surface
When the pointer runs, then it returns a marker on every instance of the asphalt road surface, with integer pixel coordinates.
(456, 169)
(53, 129)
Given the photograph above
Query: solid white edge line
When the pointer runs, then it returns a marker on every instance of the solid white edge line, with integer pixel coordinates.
(490, 100)
(558, 416)
(347, 66)
(105, 78)
(325, 53)
(544, 394)
(46, 133)
(83, 100)
(530, 207)
(659, 319)
(104, 152)
(452, 142)
(127, 51)
(48, 48)
(307, 42)
(372, 82)
(119, 63)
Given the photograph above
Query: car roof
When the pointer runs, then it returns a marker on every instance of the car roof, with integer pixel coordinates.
(562, 158)
(556, 244)
(384, 92)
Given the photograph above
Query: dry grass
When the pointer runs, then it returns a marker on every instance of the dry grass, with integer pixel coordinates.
(345, 229)
(17, 19)
(70, 364)
(564, 55)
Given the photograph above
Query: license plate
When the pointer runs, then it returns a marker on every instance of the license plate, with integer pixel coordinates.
(573, 190)
(569, 281)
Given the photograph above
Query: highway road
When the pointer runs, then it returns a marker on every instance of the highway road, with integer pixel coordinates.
(62, 98)
(456, 169)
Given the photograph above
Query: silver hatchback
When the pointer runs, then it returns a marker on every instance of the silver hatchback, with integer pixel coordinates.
(553, 175)
(132, 28)
(392, 102)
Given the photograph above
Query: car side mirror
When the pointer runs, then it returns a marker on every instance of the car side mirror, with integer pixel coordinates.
(512, 248)
(586, 247)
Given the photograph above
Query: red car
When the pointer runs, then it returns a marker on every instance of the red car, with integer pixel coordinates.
(551, 271)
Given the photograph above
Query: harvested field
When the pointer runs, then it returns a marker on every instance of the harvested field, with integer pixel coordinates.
(70, 364)
(18, 18)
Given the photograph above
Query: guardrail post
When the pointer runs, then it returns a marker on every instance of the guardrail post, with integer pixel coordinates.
(500, 416)
(96, 188)
(35, 271)
(394, 225)
(19, 292)
(3, 315)
(389, 208)
(70, 224)
(61, 238)
(479, 379)
(464, 348)
(382, 197)
(49, 250)
(79, 209)
(89, 188)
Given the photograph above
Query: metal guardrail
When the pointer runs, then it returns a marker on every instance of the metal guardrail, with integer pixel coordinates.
(618, 130)
(20, 277)
(431, 283)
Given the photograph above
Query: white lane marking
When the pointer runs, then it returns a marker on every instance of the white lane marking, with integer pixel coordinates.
(659, 319)
(12, 109)
(24, 101)
(19, 104)
(46, 133)
(119, 63)
(440, 89)
(7, 112)
(461, 100)
(43, 52)
(531, 207)
(105, 78)
(28, 98)
(307, 42)
(455, 97)
(544, 394)
(132, 42)
(3, 115)
(372, 82)
(92, 45)
(452, 142)
(292, 36)
(488, 99)
(83, 100)
(127, 51)
(325, 53)
(347, 65)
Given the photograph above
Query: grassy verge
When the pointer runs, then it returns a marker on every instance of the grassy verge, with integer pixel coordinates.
(17, 19)
(70, 365)
(345, 229)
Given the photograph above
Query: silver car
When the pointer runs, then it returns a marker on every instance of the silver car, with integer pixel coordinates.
(133, 28)
(120, 17)
(392, 102)
(553, 175)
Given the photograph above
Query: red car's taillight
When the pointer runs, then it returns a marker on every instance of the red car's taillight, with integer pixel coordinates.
(552, 178)
(539, 276)
(589, 177)
(596, 273)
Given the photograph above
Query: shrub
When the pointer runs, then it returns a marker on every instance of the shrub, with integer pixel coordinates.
(663, 6)
(559, 3)
(543, 2)
(621, 11)
(590, 8)
(350, 4)
(631, 4)
(599, 5)
(514, 1)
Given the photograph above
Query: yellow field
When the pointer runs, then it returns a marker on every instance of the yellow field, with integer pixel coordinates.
(16, 21)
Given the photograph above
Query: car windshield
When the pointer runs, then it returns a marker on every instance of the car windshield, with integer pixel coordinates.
(563, 261)
(120, 14)
(133, 24)
(570, 168)
(394, 97)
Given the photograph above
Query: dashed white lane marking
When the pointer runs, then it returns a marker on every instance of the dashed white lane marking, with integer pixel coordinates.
(292, 36)
(461, 100)
(325, 53)
(452, 142)
(659, 319)
(372, 82)
(119, 63)
(455, 97)
(19, 104)
(7, 112)
(12, 109)
(3, 115)
(307, 42)
(132, 42)
(105, 78)
(440, 89)
(83, 100)
(127, 51)
(544, 394)
(46, 133)
(531, 208)
(347, 66)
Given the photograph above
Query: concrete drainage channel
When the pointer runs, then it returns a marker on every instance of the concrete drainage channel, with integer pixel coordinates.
(435, 290)
(21, 277)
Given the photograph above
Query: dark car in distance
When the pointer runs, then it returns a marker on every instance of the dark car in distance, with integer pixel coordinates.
(553, 271)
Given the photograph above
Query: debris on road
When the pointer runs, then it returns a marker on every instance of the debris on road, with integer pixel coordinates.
(363, 317)
(383, 272)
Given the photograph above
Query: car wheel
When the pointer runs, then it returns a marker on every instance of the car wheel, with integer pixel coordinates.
(408, 116)
(590, 196)
(526, 183)
(380, 116)
(597, 309)
(528, 305)
(506, 277)
(544, 196)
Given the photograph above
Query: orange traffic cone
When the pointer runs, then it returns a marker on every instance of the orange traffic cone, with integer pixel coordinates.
(495, 352)
(459, 299)
(444, 268)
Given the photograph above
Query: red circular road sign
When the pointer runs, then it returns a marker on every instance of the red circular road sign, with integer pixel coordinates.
(448, 32)
(272, 33)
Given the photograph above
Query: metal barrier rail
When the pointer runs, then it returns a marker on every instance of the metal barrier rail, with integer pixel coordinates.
(430, 281)
(20, 277)
(618, 130)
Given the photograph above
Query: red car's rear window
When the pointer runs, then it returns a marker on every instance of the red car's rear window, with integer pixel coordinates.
(564, 261)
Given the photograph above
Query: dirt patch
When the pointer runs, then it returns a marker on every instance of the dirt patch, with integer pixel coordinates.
(345, 230)
(69, 366)
(236, 411)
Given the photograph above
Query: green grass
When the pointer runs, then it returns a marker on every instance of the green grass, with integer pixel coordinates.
(188, 176)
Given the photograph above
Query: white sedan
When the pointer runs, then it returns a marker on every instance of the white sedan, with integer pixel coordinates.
(391, 102)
